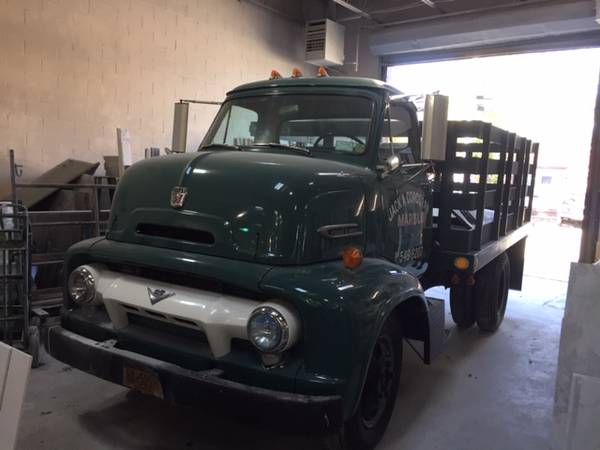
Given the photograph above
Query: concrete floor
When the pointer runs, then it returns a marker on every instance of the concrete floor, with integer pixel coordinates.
(491, 392)
(486, 392)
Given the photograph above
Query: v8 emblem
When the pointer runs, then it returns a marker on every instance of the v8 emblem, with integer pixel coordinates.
(157, 295)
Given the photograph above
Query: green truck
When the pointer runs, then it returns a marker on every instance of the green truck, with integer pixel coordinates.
(281, 267)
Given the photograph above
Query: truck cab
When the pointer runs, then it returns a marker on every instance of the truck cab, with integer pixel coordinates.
(278, 268)
(323, 159)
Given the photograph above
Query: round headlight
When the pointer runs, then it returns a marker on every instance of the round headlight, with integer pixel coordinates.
(82, 286)
(268, 330)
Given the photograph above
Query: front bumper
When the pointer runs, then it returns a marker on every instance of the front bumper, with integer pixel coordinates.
(186, 387)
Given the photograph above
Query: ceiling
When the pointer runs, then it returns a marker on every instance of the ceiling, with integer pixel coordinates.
(384, 12)
(380, 13)
(403, 31)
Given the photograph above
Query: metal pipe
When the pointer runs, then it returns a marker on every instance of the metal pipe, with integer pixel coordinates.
(394, 9)
(96, 206)
(433, 5)
(26, 267)
(65, 211)
(13, 181)
(510, 6)
(55, 224)
(48, 262)
(357, 50)
(65, 186)
(201, 102)
(354, 9)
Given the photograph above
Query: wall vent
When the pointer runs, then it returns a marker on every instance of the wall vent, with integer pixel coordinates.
(324, 43)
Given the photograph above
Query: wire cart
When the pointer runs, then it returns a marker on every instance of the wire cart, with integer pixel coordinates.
(15, 327)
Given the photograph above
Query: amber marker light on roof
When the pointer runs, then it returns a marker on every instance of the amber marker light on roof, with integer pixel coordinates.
(274, 75)
(296, 73)
(322, 72)
(352, 257)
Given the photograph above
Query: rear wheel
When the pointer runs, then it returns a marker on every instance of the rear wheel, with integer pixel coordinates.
(365, 428)
(462, 305)
(491, 292)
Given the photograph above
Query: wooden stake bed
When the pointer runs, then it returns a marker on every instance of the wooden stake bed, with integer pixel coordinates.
(483, 192)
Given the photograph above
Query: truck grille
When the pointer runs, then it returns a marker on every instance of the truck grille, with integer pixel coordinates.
(180, 345)
(187, 280)
(162, 326)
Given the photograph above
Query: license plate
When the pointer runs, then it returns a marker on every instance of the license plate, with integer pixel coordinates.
(143, 381)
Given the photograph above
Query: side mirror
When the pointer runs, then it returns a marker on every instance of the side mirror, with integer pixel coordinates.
(435, 128)
(180, 127)
(390, 164)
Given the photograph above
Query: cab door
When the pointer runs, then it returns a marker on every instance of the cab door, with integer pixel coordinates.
(404, 204)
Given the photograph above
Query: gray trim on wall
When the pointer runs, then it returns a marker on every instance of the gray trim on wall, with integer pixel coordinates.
(581, 40)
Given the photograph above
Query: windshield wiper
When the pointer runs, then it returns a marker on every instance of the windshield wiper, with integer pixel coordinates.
(215, 145)
(304, 151)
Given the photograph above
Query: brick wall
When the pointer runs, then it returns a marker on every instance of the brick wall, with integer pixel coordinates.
(72, 71)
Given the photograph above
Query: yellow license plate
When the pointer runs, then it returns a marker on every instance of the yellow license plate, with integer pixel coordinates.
(143, 381)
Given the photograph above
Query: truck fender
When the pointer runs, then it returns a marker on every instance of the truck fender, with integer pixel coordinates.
(412, 312)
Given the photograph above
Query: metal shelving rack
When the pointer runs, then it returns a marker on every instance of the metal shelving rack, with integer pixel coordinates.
(95, 221)
(15, 297)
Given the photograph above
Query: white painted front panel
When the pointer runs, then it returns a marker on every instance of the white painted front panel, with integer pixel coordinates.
(221, 317)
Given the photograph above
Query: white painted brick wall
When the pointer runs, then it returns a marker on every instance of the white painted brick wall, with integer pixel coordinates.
(72, 71)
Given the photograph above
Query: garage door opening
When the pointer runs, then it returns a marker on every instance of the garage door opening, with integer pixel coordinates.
(548, 97)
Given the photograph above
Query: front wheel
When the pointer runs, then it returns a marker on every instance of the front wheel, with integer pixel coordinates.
(366, 427)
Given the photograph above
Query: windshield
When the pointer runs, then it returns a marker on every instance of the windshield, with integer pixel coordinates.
(327, 123)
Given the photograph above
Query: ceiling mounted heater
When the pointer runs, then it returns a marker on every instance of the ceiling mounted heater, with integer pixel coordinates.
(324, 43)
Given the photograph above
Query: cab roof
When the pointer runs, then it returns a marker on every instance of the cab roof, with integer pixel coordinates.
(342, 82)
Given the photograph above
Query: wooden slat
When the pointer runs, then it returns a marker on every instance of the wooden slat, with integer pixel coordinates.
(445, 210)
(495, 147)
(523, 186)
(498, 197)
(508, 191)
(478, 232)
(530, 189)
(498, 135)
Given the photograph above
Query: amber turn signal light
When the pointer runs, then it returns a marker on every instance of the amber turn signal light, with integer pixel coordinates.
(461, 263)
(296, 73)
(352, 257)
(274, 75)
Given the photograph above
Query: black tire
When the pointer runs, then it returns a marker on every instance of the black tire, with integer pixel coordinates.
(462, 305)
(491, 292)
(366, 427)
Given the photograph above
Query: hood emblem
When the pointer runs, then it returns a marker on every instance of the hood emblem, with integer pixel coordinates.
(156, 295)
(178, 196)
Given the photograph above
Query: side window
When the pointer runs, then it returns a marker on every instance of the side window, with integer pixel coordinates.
(395, 139)
(237, 128)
